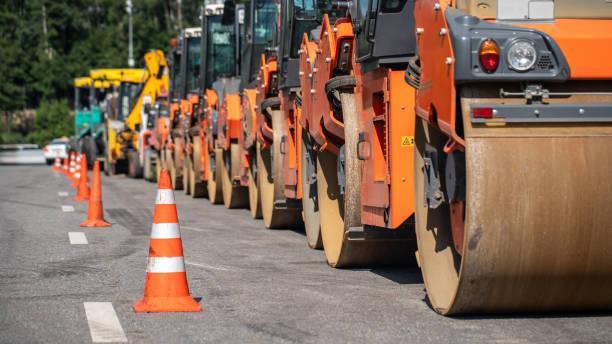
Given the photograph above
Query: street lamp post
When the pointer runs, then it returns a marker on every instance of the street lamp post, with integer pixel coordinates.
(128, 4)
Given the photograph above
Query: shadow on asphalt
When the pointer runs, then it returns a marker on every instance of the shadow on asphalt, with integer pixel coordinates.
(400, 275)
(554, 315)
(298, 229)
(522, 316)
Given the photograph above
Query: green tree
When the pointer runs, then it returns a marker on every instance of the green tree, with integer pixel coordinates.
(53, 120)
(45, 44)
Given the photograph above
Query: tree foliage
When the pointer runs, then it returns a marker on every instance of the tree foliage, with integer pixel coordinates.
(45, 44)
(53, 120)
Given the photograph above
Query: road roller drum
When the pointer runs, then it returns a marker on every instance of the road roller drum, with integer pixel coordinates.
(536, 225)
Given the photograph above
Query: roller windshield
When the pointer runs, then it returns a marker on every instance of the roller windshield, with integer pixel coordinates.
(193, 64)
(176, 77)
(220, 50)
(307, 15)
(265, 20)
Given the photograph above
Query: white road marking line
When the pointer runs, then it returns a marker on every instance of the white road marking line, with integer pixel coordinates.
(62, 194)
(194, 229)
(67, 208)
(77, 238)
(204, 266)
(104, 325)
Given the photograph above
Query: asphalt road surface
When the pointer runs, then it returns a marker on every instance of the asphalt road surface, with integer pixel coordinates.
(255, 285)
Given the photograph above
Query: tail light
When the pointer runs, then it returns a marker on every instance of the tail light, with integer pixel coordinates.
(489, 55)
(46, 149)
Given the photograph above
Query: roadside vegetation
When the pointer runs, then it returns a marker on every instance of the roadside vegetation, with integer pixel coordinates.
(44, 44)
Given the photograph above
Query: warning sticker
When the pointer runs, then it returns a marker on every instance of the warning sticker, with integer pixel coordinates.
(407, 141)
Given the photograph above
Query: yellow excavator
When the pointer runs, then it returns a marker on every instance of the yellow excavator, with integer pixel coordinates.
(130, 107)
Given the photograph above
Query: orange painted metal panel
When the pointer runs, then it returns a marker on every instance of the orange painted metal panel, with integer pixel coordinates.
(323, 121)
(585, 44)
(400, 149)
(436, 98)
(289, 148)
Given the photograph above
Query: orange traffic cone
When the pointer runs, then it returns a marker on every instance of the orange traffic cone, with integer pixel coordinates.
(65, 166)
(71, 166)
(76, 176)
(83, 189)
(95, 212)
(57, 166)
(166, 288)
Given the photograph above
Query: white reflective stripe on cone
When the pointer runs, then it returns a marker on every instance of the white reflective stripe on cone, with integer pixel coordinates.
(164, 196)
(165, 231)
(165, 264)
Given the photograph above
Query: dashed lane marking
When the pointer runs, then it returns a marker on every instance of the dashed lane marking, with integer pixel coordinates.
(67, 208)
(62, 194)
(104, 325)
(77, 238)
(204, 266)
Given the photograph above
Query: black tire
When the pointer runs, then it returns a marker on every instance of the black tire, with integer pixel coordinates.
(50, 161)
(90, 149)
(134, 170)
(109, 168)
(149, 168)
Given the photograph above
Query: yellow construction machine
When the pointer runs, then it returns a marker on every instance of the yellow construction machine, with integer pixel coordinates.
(133, 101)
(89, 107)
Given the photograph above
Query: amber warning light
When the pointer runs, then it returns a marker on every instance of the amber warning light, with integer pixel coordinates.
(489, 55)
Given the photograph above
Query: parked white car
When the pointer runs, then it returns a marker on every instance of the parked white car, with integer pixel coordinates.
(27, 154)
(58, 148)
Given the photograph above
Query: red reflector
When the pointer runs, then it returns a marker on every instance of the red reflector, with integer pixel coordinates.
(482, 113)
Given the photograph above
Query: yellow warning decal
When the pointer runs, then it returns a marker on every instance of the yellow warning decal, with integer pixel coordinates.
(407, 141)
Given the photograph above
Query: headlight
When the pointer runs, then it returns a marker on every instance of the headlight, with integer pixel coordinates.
(522, 56)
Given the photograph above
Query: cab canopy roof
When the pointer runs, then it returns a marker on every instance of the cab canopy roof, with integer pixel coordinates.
(86, 81)
(132, 75)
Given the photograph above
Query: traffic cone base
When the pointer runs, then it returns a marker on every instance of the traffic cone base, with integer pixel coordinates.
(166, 288)
(95, 212)
(95, 223)
(167, 304)
(81, 197)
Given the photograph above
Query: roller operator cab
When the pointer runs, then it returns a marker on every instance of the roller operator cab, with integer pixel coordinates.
(358, 125)
(184, 100)
(236, 184)
(229, 157)
(220, 117)
(157, 127)
(277, 116)
(513, 157)
(166, 154)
